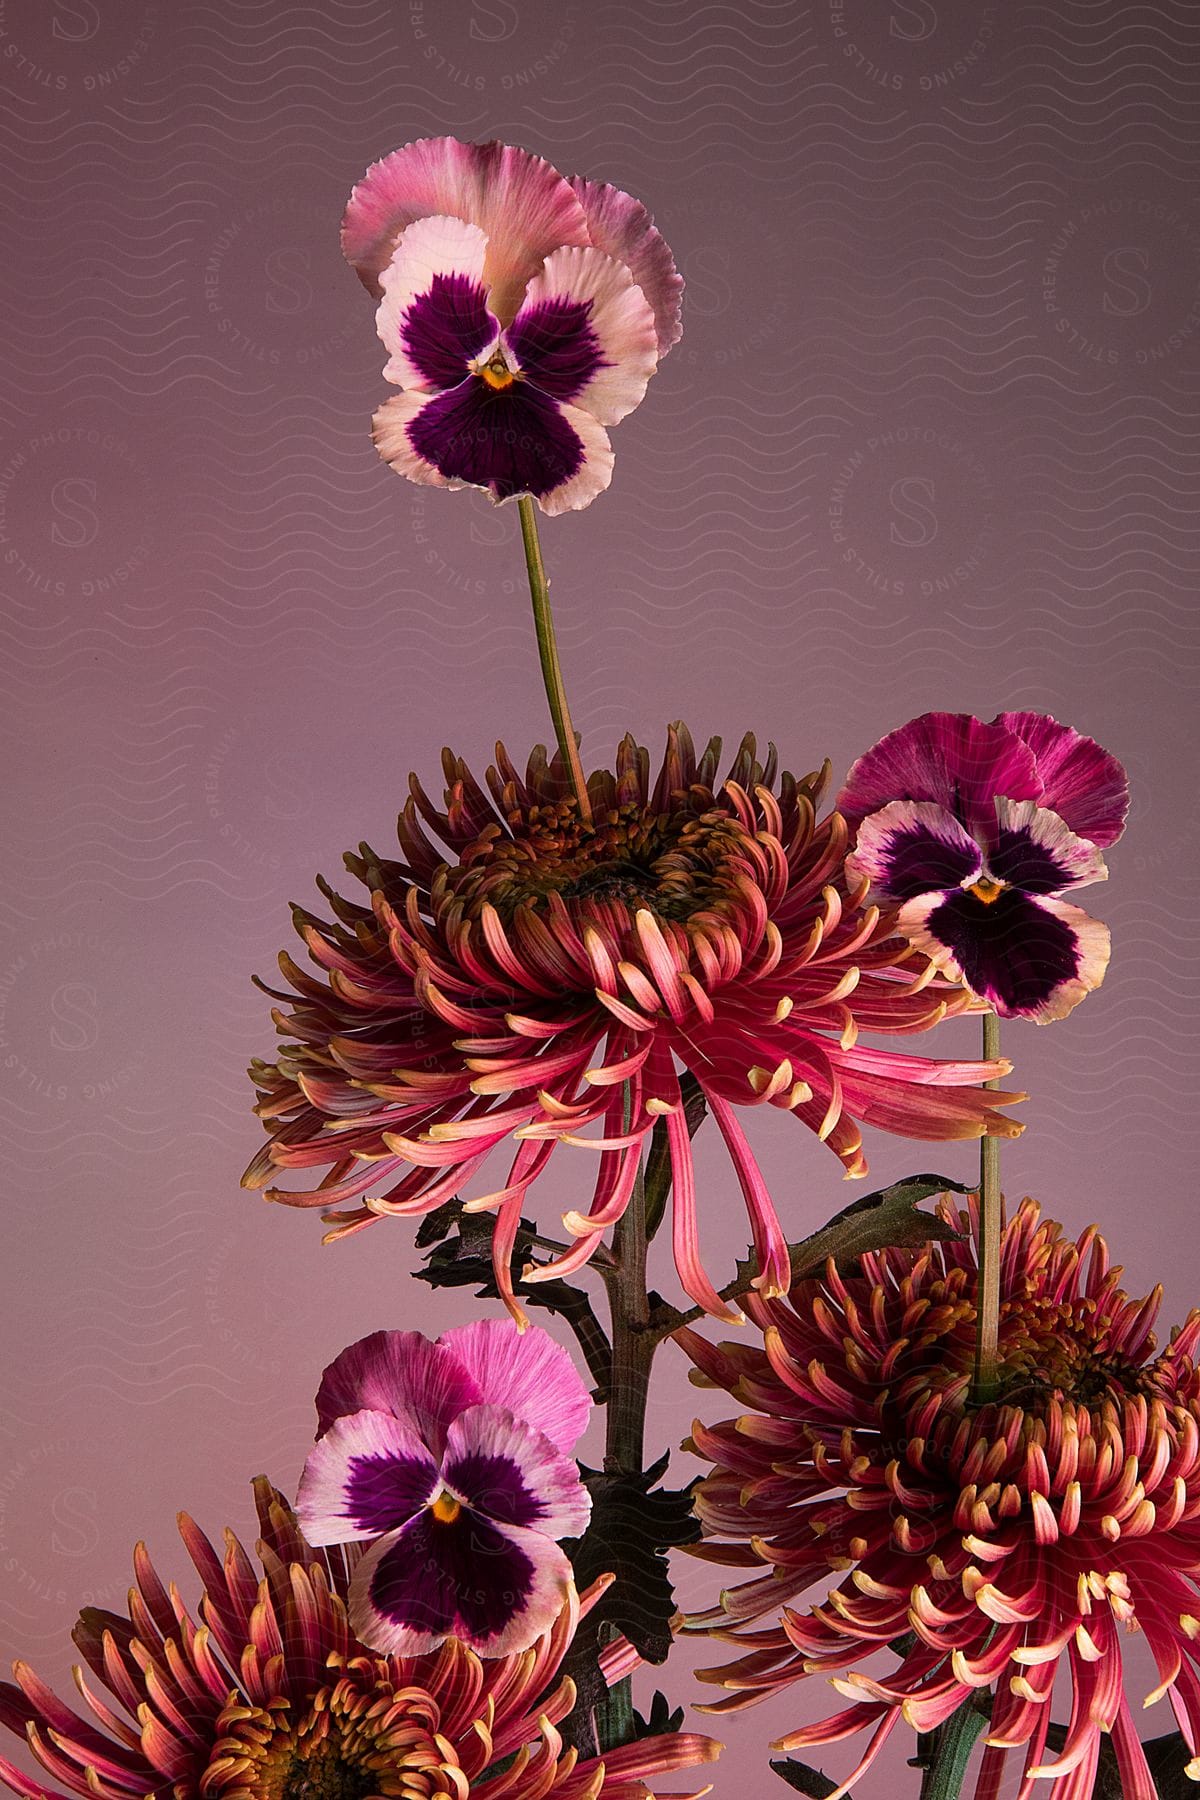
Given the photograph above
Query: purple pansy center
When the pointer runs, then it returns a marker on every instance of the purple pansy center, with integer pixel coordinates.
(513, 440)
(496, 424)
(441, 1573)
(445, 328)
(496, 1486)
(385, 1491)
(1008, 947)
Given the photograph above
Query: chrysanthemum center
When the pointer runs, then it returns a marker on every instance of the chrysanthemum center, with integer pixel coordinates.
(354, 1742)
(674, 864)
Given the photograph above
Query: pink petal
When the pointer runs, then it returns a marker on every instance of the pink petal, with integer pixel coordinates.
(594, 475)
(621, 227)
(950, 758)
(524, 206)
(527, 1372)
(367, 1475)
(431, 247)
(520, 1620)
(513, 1475)
(422, 1385)
(1082, 782)
(390, 433)
(619, 317)
(1078, 858)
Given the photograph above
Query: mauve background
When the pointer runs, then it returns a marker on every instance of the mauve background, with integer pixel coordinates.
(944, 275)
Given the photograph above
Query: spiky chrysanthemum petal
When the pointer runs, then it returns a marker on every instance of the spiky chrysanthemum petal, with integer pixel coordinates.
(266, 1695)
(543, 981)
(1011, 1539)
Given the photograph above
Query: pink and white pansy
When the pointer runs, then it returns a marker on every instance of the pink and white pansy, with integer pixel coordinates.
(974, 832)
(522, 314)
(451, 1462)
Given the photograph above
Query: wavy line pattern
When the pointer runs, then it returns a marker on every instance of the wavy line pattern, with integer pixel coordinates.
(931, 439)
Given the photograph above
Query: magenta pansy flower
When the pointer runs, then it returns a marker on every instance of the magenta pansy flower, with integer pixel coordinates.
(522, 312)
(452, 1461)
(975, 832)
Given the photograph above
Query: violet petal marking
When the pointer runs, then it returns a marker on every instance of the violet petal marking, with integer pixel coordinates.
(513, 441)
(1035, 851)
(556, 346)
(504, 1468)
(443, 329)
(366, 1476)
(1012, 951)
(402, 1373)
(1082, 782)
(527, 1372)
(466, 1577)
(950, 758)
(914, 847)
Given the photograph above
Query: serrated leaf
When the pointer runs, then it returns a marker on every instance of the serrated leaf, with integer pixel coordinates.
(465, 1260)
(798, 1775)
(879, 1221)
(634, 1524)
(660, 1721)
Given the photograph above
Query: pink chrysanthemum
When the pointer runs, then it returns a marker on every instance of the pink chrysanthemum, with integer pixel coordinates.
(541, 978)
(270, 1697)
(1014, 1539)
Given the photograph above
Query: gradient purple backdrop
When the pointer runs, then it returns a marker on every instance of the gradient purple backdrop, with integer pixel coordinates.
(930, 439)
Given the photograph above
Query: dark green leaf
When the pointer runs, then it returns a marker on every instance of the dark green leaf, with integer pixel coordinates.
(661, 1721)
(798, 1775)
(634, 1524)
(465, 1260)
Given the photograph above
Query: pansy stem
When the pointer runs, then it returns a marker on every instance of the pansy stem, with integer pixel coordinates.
(985, 1380)
(552, 675)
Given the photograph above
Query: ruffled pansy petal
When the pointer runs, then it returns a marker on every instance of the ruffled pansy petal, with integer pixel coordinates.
(621, 227)
(506, 1470)
(527, 1372)
(585, 333)
(1081, 782)
(513, 442)
(952, 759)
(368, 1475)
(913, 847)
(1035, 850)
(423, 1385)
(522, 204)
(1028, 957)
(390, 434)
(433, 317)
(495, 1588)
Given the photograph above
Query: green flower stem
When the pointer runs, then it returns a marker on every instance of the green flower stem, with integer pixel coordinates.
(633, 1346)
(552, 675)
(954, 1742)
(985, 1380)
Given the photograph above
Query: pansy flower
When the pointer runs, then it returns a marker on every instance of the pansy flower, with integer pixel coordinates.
(975, 832)
(522, 312)
(452, 1461)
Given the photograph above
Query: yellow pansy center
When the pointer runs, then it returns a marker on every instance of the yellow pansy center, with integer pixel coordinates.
(987, 889)
(445, 1508)
(496, 372)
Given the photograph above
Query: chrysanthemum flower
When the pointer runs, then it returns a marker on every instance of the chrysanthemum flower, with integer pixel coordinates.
(522, 313)
(975, 831)
(266, 1695)
(452, 1461)
(1014, 1539)
(541, 977)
